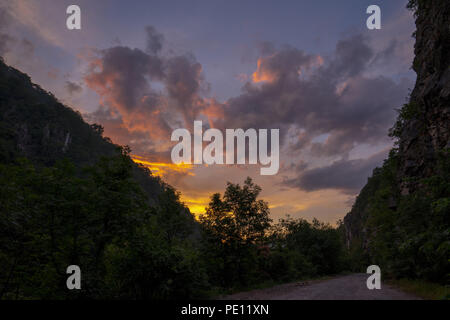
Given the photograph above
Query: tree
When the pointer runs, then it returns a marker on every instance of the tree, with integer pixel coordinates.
(235, 227)
(238, 217)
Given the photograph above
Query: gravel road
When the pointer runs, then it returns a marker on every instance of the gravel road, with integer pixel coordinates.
(348, 287)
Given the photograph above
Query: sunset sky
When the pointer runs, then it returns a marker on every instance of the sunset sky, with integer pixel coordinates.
(309, 68)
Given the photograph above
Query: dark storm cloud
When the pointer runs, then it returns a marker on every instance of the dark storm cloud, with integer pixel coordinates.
(124, 74)
(182, 81)
(362, 114)
(154, 40)
(335, 98)
(345, 175)
(279, 95)
(121, 76)
(73, 87)
(126, 80)
(352, 55)
(288, 62)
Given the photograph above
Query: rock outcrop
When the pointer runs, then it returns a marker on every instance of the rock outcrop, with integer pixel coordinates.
(389, 201)
(427, 130)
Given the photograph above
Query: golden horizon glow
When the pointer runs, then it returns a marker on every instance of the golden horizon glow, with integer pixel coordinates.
(161, 169)
(280, 204)
(196, 205)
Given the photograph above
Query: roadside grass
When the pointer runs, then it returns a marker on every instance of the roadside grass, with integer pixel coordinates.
(422, 289)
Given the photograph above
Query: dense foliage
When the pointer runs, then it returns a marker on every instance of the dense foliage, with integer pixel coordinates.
(99, 219)
(242, 248)
(409, 235)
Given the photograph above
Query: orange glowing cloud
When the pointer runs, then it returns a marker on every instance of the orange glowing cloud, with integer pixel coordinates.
(213, 110)
(319, 61)
(140, 110)
(263, 74)
(284, 63)
(162, 169)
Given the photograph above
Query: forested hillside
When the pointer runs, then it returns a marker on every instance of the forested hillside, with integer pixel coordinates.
(401, 218)
(69, 196)
(35, 125)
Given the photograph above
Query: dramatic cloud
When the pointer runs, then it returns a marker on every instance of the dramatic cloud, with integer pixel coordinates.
(345, 175)
(154, 40)
(333, 103)
(283, 65)
(183, 80)
(334, 98)
(352, 55)
(73, 87)
(121, 76)
(144, 94)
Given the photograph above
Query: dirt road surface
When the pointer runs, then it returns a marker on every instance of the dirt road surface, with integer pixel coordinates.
(348, 287)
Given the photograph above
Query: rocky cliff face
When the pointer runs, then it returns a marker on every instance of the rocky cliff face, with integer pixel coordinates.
(34, 124)
(426, 132)
(384, 218)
